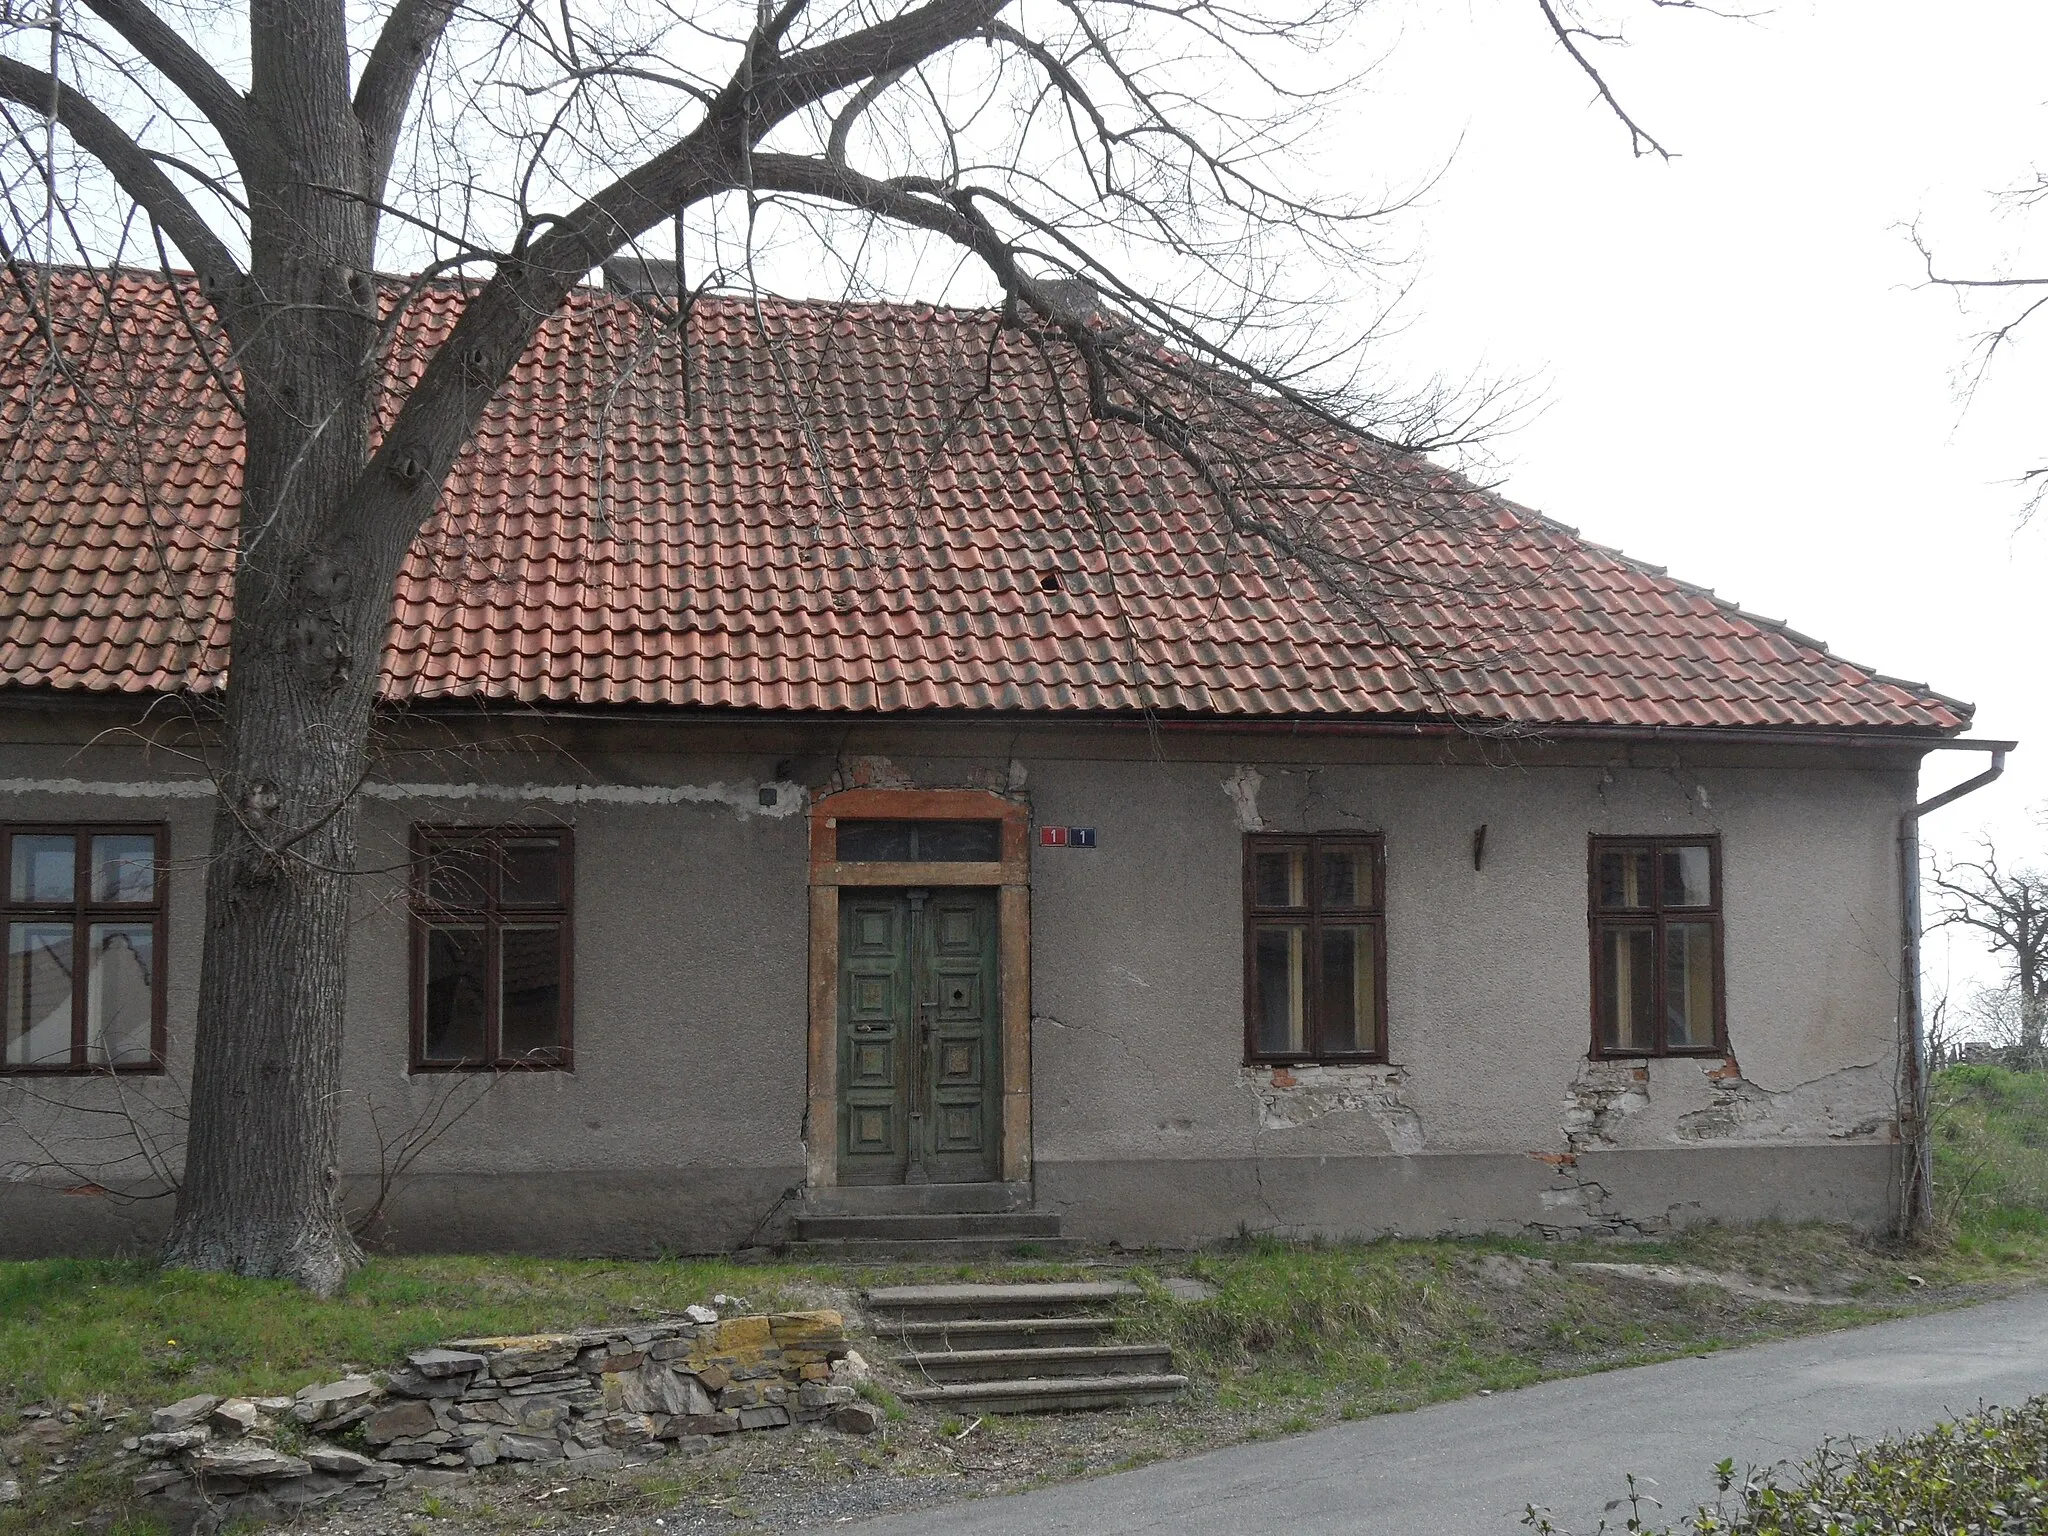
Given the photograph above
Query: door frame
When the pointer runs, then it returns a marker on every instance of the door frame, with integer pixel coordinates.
(1010, 876)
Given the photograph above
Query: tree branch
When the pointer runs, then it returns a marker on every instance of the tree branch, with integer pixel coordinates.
(385, 90)
(1640, 141)
(184, 67)
(128, 162)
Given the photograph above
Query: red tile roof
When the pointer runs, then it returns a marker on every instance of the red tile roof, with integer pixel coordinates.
(848, 508)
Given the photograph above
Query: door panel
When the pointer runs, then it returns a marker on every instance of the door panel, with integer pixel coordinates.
(874, 1016)
(919, 1036)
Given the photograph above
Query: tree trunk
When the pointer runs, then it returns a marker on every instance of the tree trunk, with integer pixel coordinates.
(261, 1193)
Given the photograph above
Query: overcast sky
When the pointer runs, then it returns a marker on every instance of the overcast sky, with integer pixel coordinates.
(1742, 381)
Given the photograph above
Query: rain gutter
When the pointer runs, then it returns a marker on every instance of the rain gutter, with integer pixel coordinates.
(1916, 1213)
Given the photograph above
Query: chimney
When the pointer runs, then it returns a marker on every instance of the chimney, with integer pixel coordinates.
(640, 278)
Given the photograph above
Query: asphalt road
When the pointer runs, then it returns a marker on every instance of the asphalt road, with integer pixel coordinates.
(1472, 1466)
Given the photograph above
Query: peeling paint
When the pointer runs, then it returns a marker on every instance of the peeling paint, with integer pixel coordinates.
(1852, 1104)
(1292, 1097)
(1604, 1094)
(745, 798)
(124, 789)
(1243, 789)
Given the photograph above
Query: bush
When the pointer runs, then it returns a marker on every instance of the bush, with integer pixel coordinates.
(1986, 1475)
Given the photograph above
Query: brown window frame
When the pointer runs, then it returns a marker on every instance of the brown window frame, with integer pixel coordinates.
(428, 912)
(1315, 917)
(1657, 916)
(82, 912)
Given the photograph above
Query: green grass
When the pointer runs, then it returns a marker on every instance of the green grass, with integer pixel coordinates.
(71, 1329)
(1991, 1150)
(1357, 1328)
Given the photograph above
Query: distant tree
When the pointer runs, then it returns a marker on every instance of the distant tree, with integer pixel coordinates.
(285, 153)
(2008, 910)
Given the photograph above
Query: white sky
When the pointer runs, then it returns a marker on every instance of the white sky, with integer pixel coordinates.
(1742, 381)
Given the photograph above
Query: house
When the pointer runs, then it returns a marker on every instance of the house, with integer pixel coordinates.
(822, 772)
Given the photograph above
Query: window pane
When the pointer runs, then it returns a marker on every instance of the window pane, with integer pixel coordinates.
(459, 874)
(1689, 984)
(1346, 1018)
(45, 866)
(38, 1024)
(531, 872)
(1279, 878)
(1346, 877)
(1624, 877)
(1281, 960)
(876, 842)
(960, 842)
(1688, 877)
(1628, 989)
(117, 993)
(530, 1004)
(455, 994)
(123, 867)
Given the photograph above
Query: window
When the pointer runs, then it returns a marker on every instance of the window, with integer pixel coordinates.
(1656, 917)
(85, 943)
(1314, 949)
(491, 946)
(920, 842)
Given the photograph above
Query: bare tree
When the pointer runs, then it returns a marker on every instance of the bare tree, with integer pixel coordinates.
(2012, 299)
(2008, 910)
(287, 151)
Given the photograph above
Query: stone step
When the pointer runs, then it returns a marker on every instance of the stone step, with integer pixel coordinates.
(874, 1250)
(930, 1226)
(1090, 1360)
(1030, 1299)
(913, 1199)
(1050, 1394)
(1000, 1333)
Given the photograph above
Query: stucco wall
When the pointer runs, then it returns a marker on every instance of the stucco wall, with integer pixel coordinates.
(682, 1122)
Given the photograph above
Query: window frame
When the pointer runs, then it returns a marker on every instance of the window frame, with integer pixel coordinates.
(426, 913)
(83, 912)
(1315, 917)
(1657, 917)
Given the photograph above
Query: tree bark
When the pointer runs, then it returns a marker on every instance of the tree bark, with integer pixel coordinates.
(261, 1193)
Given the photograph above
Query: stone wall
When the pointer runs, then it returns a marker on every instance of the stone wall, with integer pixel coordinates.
(594, 1399)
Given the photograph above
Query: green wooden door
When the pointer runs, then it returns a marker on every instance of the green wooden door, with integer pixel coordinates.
(919, 1039)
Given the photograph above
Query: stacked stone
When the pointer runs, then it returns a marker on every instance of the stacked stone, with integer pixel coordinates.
(599, 1397)
(571, 1396)
(220, 1462)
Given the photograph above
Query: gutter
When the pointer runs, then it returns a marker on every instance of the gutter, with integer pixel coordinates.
(1916, 1213)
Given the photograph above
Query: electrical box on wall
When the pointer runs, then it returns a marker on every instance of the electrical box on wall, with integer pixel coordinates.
(1066, 837)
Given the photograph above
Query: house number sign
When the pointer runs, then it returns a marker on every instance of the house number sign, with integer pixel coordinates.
(1066, 837)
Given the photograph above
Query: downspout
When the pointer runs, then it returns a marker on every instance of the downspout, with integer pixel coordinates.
(1917, 1205)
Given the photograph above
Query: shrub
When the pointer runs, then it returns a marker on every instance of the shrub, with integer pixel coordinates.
(1985, 1475)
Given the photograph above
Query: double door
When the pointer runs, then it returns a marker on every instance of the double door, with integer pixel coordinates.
(919, 1037)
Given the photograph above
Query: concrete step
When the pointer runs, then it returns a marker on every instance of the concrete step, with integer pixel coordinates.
(930, 1226)
(1001, 1333)
(913, 1199)
(1091, 1360)
(1037, 1300)
(872, 1250)
(1051, 1394)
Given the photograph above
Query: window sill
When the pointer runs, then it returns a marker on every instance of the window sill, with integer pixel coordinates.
(132, 1069)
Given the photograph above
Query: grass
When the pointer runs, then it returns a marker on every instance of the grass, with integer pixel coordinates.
(73, 1329)
(1991, 1149)
(1345, 1330)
